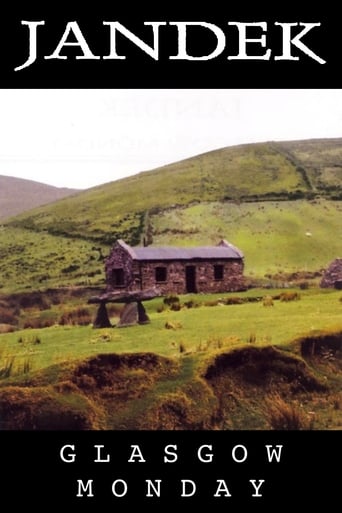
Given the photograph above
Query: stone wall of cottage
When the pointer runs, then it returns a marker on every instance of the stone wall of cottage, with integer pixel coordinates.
(204, 280)
(172, 276)
(119, 258)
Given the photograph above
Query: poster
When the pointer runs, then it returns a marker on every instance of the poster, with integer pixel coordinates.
(211, 50)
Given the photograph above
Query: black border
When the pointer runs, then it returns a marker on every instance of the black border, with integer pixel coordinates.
(140, 71)
(33, 473)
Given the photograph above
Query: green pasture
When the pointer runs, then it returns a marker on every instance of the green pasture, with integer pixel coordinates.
(195, 331)
(275, 237)
(229, 172)
(251, 172)
(33, 261)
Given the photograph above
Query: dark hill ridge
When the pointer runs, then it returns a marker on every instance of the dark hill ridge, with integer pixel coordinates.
(18, 195)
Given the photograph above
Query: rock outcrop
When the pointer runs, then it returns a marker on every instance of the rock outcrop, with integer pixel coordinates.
(332, 278)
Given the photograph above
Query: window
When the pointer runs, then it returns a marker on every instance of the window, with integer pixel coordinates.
(161, 274)
(118, 277)
(218, 272)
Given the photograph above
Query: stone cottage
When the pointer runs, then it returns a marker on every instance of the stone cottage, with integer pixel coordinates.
(174, 269)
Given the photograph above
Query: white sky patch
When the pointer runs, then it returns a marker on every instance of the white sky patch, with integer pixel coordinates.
(82, 138)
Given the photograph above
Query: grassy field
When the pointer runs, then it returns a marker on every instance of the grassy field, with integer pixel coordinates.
(165, 365)
(276, 238)
(203, 327)
(230, 172)
(255, 171)
(32, 261)
(321, 160)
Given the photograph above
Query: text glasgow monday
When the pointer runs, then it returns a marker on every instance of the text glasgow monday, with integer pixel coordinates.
(250, 41)
(205, 454)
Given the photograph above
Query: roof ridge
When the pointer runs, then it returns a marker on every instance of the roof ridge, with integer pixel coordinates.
(174, 252)
(128, 248)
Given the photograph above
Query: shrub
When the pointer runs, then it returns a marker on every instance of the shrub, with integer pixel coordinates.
(191, 304)
(25, 368)
(44, 277)
(182, 347)
(78, 317)
(33, 300)
(175, 307)
(38, 323)
(267, 301)
(91, 274)
(289, 296)
(234, 301)
(7, 316)
(29, 340)
(211, 303)
(172, 325)
(337, 402)
(7, 328)
(285, 416)
(70, 269)
(252, 338)
(6, 367)
(171, 299)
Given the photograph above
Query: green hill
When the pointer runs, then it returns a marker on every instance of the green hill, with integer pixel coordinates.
(278, 201)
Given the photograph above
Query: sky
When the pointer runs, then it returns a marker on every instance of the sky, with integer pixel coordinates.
(86, 137)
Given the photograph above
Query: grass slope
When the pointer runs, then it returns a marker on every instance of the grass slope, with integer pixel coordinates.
(279, 202)
(242, 368)
(30, 260)
(319, 161)
(254, 171)
(276, 237)
(217, 327)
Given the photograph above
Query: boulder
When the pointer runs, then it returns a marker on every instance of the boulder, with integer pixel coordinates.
(332, 277)
(133, 313)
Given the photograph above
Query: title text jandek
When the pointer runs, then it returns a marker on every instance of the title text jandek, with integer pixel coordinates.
(188, 41)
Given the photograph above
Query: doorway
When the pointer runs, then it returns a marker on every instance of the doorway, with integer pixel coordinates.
(190, 276)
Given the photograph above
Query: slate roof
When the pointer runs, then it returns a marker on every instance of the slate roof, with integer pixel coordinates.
(223, 251)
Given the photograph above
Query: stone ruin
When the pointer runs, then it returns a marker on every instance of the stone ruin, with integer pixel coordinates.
(332, 277)
(134, 311)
